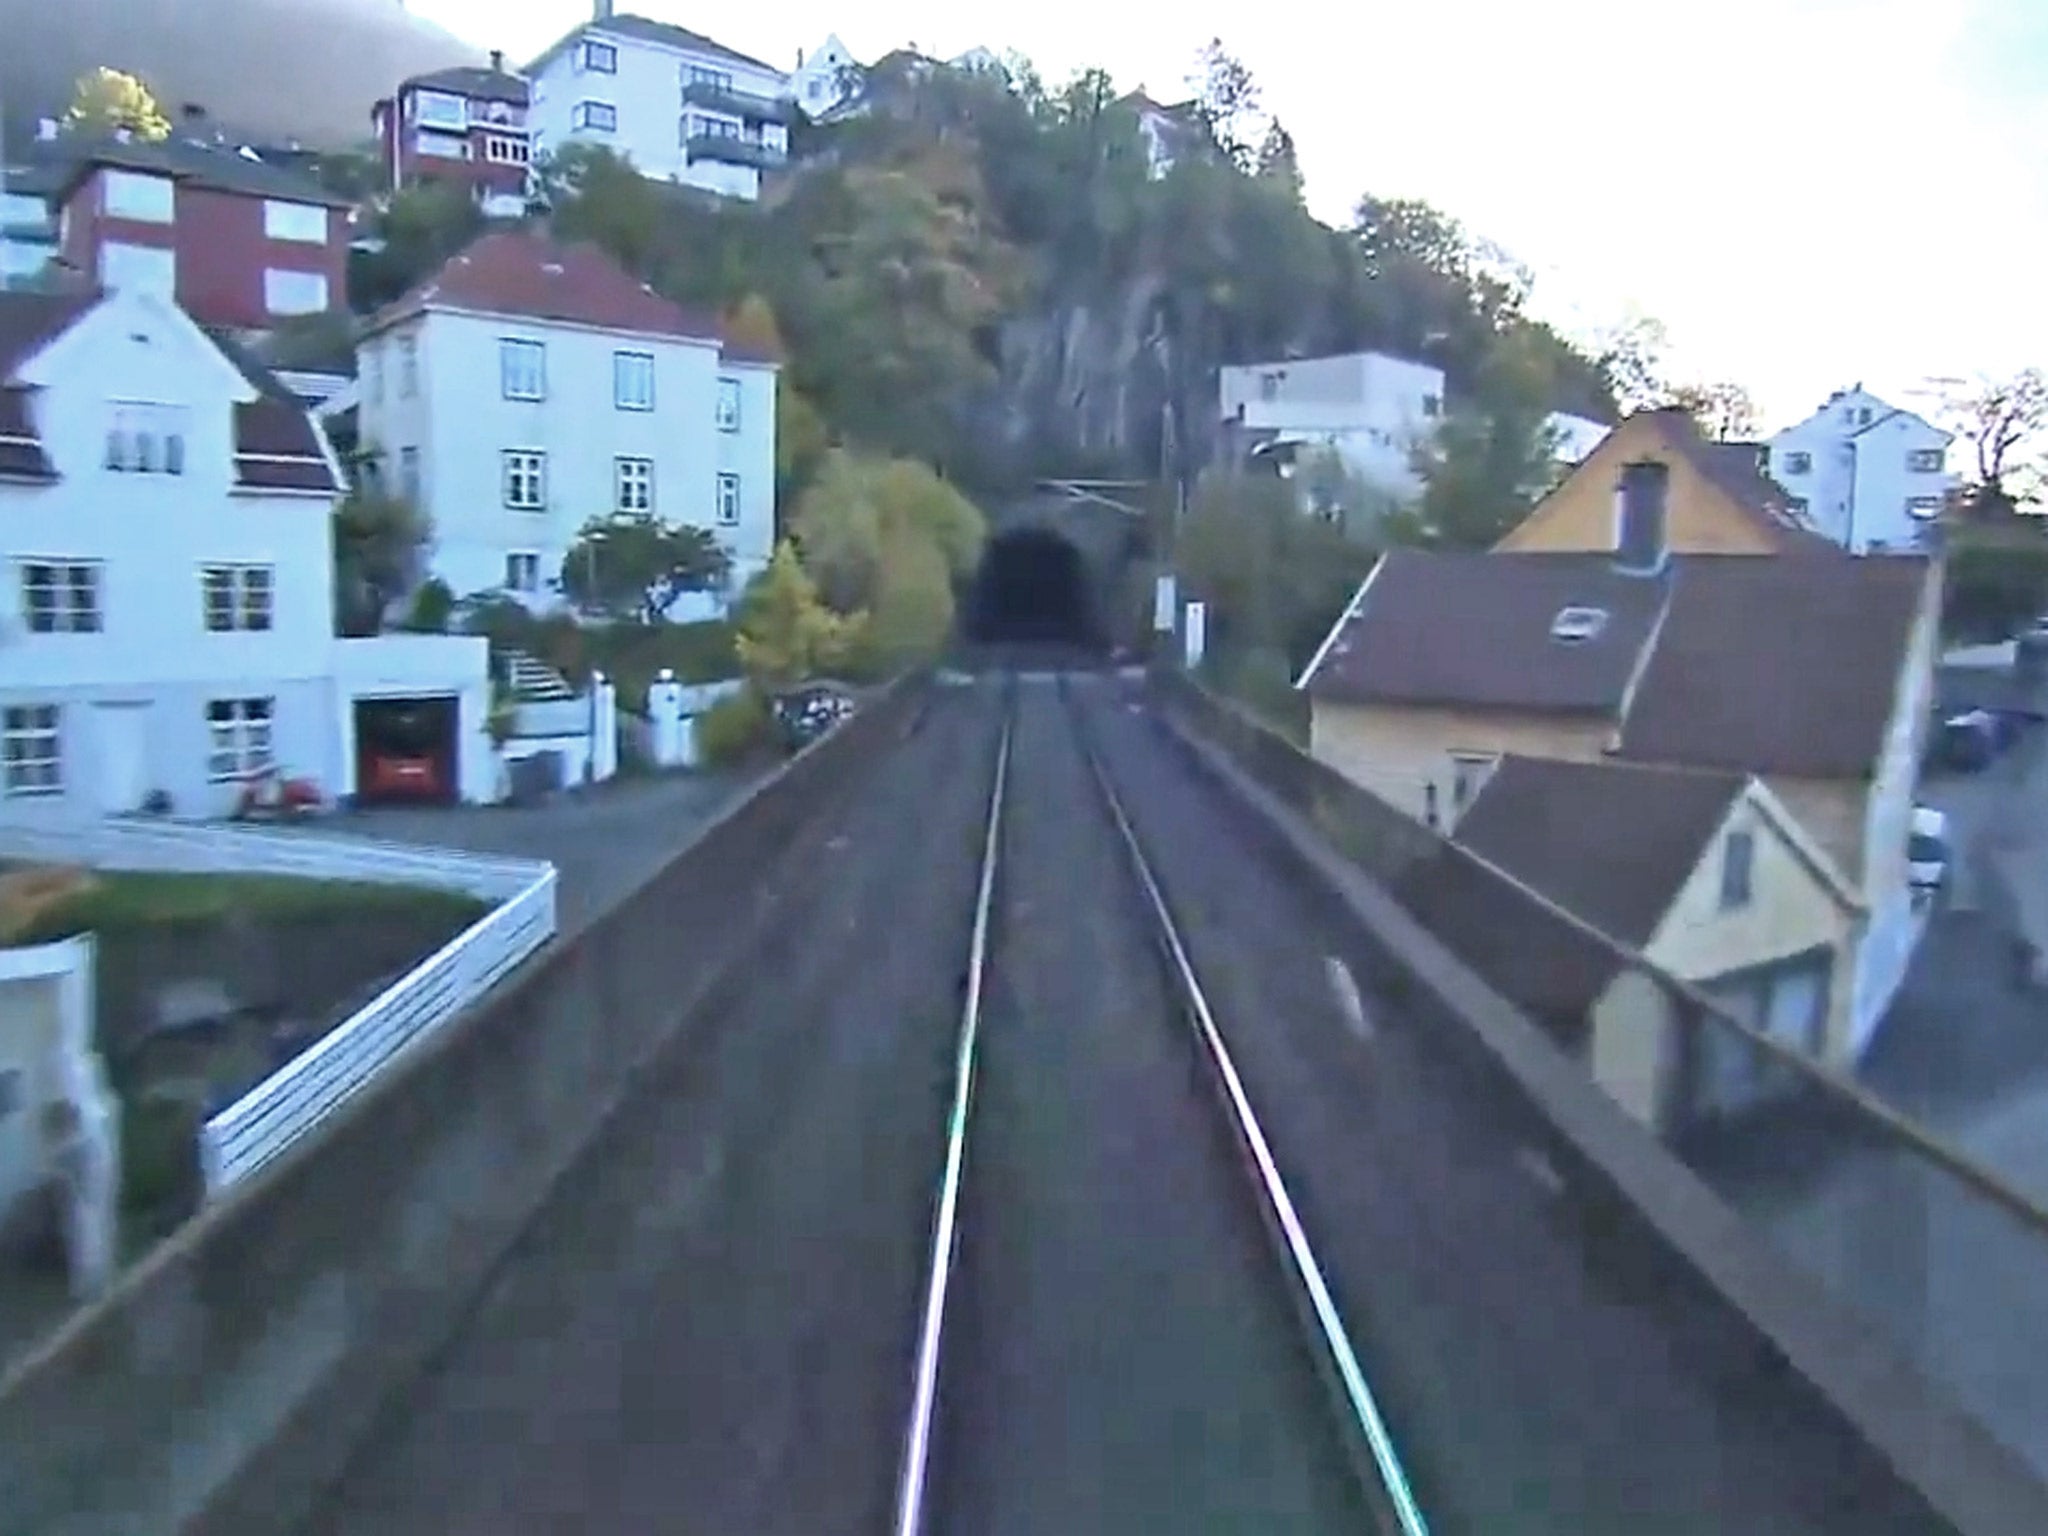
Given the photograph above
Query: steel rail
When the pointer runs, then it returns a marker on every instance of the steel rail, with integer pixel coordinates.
(917, 1441)
(1392, 1480)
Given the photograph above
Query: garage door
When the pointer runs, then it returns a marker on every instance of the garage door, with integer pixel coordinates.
(407, 749)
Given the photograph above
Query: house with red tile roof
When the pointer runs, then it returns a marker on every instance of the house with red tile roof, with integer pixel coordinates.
(168, 629)
(530, 386)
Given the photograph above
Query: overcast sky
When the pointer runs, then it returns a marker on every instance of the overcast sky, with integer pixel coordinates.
(1806, 192)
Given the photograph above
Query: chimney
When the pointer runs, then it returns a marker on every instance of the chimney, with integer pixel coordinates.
(601, 10)
(1641, 543)
(497, 61)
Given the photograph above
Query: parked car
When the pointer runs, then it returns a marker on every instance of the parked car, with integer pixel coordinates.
(1966, 743)
(806, 713)
(1927, 850)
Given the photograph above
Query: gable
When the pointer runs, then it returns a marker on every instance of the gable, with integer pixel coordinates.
(134, 345)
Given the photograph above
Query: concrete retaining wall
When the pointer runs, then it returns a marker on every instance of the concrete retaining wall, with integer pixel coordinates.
(225, 1380)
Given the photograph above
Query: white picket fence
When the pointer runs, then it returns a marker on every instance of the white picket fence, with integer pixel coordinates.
(293, 1100)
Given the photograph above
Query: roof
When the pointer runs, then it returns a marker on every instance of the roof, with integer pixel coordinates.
(1470, 629)
(21, 450)
(477, 84)
(214, 166)
(29, 321)
(1778, 666)
(640, 29)
(277, 448)
(523, 273)
(1737, 471)
(1611, 843)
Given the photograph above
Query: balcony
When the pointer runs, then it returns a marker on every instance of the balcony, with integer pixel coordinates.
(734, 150)
(716, 97)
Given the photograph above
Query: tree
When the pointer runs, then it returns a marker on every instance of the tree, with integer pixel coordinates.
(106, 100)
(1227, 99)
(1725, 412)
(1277, 161)
(634, 568)
(380, 545)
(2002, 419)
(1630, 358)
(860, 509)
(786, 633)
(418, 229)
(1492, 456)
(599, 196)
(913, 612)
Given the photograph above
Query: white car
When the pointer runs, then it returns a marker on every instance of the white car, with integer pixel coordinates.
(1927, 854)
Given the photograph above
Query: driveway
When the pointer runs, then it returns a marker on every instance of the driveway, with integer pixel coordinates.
(604, 842)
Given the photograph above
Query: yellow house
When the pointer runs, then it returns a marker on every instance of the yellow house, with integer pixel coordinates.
(1717, 501)
(1812, 676)
(1706, 875)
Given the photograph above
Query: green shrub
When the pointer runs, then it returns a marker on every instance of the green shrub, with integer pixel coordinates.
(433, 608)
(159, 1157)
(734, 728)
(1994, 585)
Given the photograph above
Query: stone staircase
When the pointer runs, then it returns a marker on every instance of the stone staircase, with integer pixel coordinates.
(533, 681)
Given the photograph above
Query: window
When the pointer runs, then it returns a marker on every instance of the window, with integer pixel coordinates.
(698, 74)
(409, 475)
(61, 597)
(1798, 463)
(522, 571)
(237, 597)
(147, 440)
(729, 500)
(440, 109)
(1863, 417)
(526, 480)
(1269, 386)
(140, 268)
(600, 115)
(506, 151)
(1738, 859)
(633, 381)
(141, 198)
(408, 366)
(1429, 810)
(12, 1092)
(1575, 624)
(1924, 461)
(305, 223)
(1798, 504)
(441, 146)
(728, 405)
(633, 485)
(523, 370)
(373, 376)
(1432, 405)
(598, 58)
(1468, 773)
(1923, 507)
(294, 293)
(240, 738)
(33, 761)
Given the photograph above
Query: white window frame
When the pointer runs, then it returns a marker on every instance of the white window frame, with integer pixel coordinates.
(138, 197)
(444, 110)
(409, 475)
(146, 439)
(408, 367)
(1923, 509)
(728, 405)
(522, 368)
(241, 738)
(298, 223)
(587, 113)
(62, 597)
(1736, 893)
(728, 499)
(522, 570)
(1924, 461)
(373, 375)
(1797, 463)
(524, 476)
(237, 598)
(290, 292)
(124, 265)
(498, 151)
(628, 370)
(31, 750)
(632, 484)
(589, 53)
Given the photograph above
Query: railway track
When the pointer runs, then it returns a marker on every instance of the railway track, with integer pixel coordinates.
(1382, 1499)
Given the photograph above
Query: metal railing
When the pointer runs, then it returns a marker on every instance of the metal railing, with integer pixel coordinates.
(1917, 1233)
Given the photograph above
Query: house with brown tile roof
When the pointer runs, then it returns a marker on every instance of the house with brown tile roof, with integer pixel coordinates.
(1704, 874)
(1718, 500)
(1813, 676)
(169, 626)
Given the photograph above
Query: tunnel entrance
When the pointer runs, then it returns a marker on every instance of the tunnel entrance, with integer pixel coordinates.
(1032, 587)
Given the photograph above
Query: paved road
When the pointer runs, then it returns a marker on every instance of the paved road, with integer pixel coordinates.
(604, 842)
(711, 1329)
(1527, 1391)
(1121, 1354)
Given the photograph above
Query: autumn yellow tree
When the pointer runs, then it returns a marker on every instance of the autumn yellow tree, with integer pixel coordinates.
(108, 99)
(786, 633)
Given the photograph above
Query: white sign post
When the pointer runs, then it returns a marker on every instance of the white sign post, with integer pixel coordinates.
(1165, 599)
(1194, 636)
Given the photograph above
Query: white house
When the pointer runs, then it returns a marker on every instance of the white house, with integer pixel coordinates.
(681, 107)
(1868, 475)
(823, 78)
(1374, 410)
(528, 387)
(168, 534)
(1575, 436)
(1168, 132)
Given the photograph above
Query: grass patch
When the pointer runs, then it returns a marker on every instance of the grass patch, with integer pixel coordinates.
(116, 900)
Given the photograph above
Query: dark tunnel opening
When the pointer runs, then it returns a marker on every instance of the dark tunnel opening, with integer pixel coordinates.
(1032, 587)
